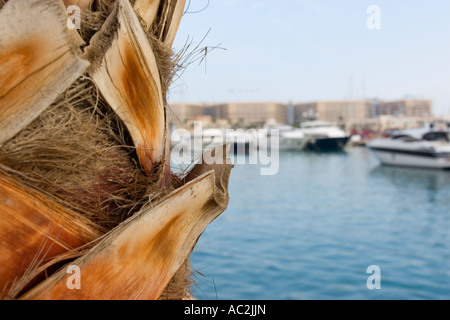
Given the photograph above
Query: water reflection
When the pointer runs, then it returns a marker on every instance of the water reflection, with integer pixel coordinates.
(313, 229)
(401, 177)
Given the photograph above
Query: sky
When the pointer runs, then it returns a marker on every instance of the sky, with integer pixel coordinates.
(307, 50)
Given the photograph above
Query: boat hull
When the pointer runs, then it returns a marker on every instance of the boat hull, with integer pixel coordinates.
(241, 147)
(327, 144)
(417, 159)
(287, 145)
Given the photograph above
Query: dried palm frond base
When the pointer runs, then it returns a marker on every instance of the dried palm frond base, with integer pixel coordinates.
(77, 151)
(85, 174)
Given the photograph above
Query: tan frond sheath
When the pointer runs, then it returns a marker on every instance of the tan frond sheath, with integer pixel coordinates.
(139, 258)
(128, 78)
(33, 230)
(39, 59)
(85, 176)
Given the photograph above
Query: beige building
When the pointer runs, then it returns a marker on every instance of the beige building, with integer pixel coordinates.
(344, 113)
(360, 112)
(389, 122)
(333, 111)
(254, 112)
(243, 113)
(405, 108)
(179, 113)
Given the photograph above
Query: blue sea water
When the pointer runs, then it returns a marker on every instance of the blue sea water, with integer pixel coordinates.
(312, 230)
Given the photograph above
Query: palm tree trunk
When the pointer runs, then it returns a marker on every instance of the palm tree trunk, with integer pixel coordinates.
(85, 175)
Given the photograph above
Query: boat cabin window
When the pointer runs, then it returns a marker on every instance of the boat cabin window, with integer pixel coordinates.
(405, 138)
(436, 136)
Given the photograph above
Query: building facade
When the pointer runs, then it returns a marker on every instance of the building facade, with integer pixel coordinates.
(405, 108)
(237, 113)
(340, 112)
(180, 113)
(248, 113)
(347, 114)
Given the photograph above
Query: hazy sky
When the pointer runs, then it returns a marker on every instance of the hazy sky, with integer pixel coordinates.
(305, 50)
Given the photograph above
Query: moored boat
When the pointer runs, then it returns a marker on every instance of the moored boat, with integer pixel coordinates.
(289, 138)
(324, 136)
(423, 148)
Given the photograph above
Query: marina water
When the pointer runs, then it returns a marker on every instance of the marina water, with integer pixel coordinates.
(312, 230)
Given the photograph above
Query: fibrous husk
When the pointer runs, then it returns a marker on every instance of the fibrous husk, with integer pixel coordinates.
(138, 259)
(97, 147)
(77, 150)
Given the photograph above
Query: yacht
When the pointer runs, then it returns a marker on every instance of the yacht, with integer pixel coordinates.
(422, 148)
(294, 140)
(212, 137)
(290, 139)
(241, 142)
(324, 136)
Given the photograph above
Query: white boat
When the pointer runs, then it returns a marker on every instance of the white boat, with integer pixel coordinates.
(324, 136)
(212, 137)
(423, 148)
(241, 142)
(180, 138)
(290, 139)
(294, 140)
(198, 141)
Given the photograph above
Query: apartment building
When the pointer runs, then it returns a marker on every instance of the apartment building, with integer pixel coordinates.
(405, 108)
(255, 112)
(179, 113)
(332, 111)
(347, 113)
(243, 113)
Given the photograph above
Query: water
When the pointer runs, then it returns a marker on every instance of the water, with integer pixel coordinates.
(312, 231)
